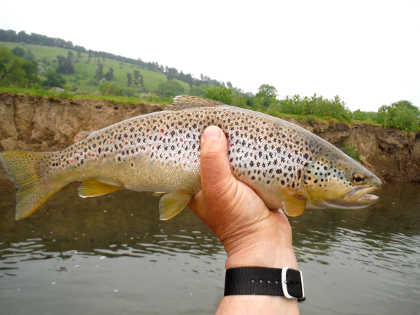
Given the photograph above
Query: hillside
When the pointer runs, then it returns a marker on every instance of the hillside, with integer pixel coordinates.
(83, 81)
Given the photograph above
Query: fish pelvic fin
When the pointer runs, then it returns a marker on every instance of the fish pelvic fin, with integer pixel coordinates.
(294, 205)
(33, 189)
(173, 203)
(94, 188)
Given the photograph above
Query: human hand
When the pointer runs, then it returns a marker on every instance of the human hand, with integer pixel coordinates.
(251, 234)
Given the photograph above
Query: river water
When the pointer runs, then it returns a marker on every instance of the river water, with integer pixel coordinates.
(111, 255)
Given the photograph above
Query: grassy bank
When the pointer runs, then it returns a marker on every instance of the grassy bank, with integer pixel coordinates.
(119, 99)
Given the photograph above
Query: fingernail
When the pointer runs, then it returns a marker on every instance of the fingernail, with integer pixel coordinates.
(211, 133)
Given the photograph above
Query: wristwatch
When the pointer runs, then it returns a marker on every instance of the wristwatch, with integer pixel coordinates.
(285, 282)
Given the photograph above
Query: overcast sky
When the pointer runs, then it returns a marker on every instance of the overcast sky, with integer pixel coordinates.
(367, 52)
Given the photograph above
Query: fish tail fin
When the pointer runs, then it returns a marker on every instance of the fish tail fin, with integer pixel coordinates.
(33, 188)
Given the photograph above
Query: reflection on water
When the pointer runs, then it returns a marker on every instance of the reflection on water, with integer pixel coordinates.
(111, 255)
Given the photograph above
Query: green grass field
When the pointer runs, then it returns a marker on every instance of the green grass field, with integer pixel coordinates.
(83, 80)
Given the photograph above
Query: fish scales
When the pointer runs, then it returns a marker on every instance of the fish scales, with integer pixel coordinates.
(265, 151)
(288, 166)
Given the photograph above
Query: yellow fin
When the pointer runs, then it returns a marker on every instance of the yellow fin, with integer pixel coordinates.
(32, 188)
(294, 205)
(158, 194)
(93, 188)
(173, 203)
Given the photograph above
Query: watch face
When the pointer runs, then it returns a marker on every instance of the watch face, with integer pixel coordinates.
(294, 283)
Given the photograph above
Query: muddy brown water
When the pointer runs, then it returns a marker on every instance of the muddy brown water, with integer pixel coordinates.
(111, 255)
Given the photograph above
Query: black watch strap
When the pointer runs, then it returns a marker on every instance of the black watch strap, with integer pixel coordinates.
(285, 282)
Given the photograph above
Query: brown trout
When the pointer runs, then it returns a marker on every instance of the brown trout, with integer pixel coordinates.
(288, 166)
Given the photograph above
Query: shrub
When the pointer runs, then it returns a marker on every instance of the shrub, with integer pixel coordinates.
(170, 88)
(403, 115)
(220, 93)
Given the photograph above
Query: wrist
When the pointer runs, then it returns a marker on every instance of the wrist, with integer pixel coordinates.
(267, 248)
(262, 254)
(267, 244)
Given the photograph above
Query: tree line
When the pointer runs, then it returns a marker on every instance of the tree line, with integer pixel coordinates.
(402, 114)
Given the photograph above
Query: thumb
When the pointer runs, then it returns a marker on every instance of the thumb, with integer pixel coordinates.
(216, 176)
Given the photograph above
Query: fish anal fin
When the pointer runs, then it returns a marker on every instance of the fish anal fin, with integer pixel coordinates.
(173, 203)
(294, 205)
(95, 188)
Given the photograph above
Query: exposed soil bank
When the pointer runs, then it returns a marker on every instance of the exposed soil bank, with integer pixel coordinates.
(42, 123)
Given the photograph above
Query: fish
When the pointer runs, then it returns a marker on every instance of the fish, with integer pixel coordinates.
(289, 167)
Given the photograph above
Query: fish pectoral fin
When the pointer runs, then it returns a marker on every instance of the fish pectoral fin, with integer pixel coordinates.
(94, 188)
(294, 205)
(173, 203)
(158, 193)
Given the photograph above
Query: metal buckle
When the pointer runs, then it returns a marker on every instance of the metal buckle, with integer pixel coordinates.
(284, 285)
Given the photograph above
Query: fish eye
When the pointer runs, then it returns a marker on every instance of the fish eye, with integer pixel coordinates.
(358, 178)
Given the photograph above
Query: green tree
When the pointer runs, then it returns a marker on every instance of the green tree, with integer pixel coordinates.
(138, 78)
(31, 71)
(54, 79)
(19, 52)
(266, 95)
(99, 72)
(220, 93)
(15, 71)
(65, 65)
(266, 90)
(70, 56)
(403, 115)
(129, 79)
(109, 76)
(170, 88)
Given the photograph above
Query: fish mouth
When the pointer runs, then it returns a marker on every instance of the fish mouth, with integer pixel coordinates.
(358, 198)
(361, 194)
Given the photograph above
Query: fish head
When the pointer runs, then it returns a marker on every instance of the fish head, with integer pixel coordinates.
(335, 180)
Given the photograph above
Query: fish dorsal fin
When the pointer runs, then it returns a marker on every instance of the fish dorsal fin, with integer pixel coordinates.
(173, 203)
(93, 188)
(294, 205)
(189, 101)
